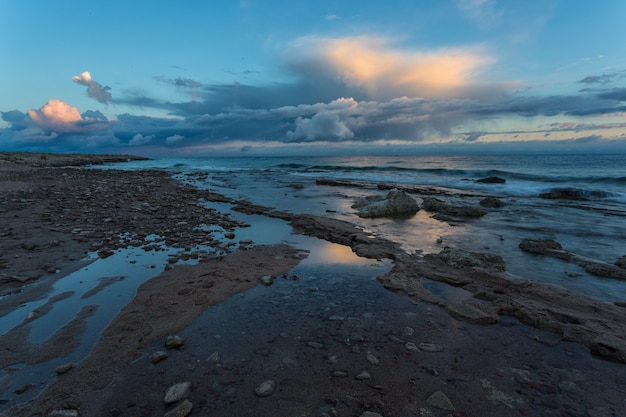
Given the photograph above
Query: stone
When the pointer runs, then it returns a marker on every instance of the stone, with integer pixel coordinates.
(176, 392)
(158, 356)
(63, 369)
(430, 347)
(214, 358)
(266, 388)
(267, 280)
(573, 194)
(441, 401)
(410, 346)
(363, 376)
(174, 342)
(63, 413)
(339, 374)
(181, 410)
(464, 259)
(435, 205)
(370, 414)
(553, 248)
(103, 254)
(372, 359)
(395, 203)
(540, 246)
(492, 202)
(491, 180)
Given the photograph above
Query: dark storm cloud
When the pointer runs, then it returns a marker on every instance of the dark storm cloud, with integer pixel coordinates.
(614, 94)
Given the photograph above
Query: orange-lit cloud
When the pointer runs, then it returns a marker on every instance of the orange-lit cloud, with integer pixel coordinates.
(371, 64)
(56, 115)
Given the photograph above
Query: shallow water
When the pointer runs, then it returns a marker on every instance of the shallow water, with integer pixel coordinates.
(124, 272)
(335, 318)
(594, 229)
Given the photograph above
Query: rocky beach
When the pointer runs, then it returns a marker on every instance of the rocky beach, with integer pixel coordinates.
(232, 327)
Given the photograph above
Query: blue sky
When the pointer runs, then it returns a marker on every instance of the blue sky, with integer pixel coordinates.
(300, 77)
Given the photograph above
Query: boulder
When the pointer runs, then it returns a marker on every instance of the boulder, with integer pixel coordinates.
(438, 206)
(492, 202)
(540, 246)
(395, 203)
(491, 180)
(464, 259)
(593, 266)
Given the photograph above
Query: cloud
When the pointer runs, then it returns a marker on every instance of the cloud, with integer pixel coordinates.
(369, 66)
(56, 115)
(170, 140)
(604, 78)
(324, 125)
(614, 94)
(179, 82)
(140, 139)
(94, 89)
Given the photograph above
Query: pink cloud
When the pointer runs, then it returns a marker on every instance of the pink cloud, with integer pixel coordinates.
(57, 116)
(371, 64)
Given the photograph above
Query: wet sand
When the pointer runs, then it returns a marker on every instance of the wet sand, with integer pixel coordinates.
(497, 346)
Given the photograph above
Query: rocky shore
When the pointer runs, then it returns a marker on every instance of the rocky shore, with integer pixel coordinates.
(448, 357)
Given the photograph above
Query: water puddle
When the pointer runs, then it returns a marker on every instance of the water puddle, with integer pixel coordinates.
(100, 290)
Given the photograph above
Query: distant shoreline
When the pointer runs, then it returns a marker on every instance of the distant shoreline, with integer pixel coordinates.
(43, 159)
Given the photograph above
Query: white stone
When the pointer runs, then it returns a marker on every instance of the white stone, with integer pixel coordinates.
(177, 392)
(266, 388)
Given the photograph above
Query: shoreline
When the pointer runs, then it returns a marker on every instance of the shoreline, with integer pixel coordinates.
(148, 202)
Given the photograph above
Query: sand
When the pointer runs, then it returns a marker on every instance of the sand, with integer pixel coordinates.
(509, 346)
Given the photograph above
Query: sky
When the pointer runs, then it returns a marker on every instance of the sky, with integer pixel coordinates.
(165, 78)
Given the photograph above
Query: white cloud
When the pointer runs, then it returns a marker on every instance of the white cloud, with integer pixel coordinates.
(174, 139)
(140, 139)
(324, 125)
(94, 89)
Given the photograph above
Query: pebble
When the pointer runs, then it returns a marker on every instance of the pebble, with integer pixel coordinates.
(267, 280)
(370, 414)
(339, 374)
(363, 375)
(158, 356)
(214, 358)
(441, 401)
(430, 347)
(181, 410)
(177, 392)
(266, 388)
(411, 347)
(316, 345)
(65, 368)
(174, 342)
(373, 359)
(409, 331)
(63, 413)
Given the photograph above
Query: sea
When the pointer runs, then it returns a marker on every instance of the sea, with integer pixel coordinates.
(592, 225)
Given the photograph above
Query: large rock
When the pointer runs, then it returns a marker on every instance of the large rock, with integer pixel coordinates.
(492, 202)
(593, 266)
(395, 203)
(433, 204)
(491, 180)
(464, 259)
